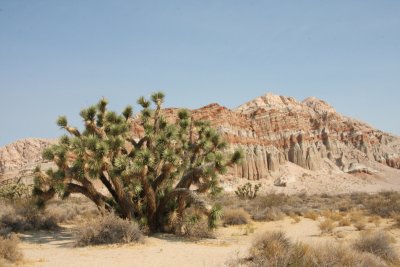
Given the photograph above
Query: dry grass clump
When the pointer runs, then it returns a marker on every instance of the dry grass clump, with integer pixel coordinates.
(9, 251)
(383, 204)
(360, 225)
(268, 214)
(376, 219)
(311, 215)
(396, 218)
(72, 209)
(356, 216)
(379, 244)
(271, 249)
(275, 249)
(198, 230)
(235, 217)
(335, 255)
(333, 215)
(344, 222)
(25, 216)
(108, 229)
(326, 226)
(295, 218)
(194, 225)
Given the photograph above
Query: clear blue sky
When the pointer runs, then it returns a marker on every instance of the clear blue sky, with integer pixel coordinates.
(57, 57)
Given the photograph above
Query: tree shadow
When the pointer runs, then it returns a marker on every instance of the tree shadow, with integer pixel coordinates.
(59, 238)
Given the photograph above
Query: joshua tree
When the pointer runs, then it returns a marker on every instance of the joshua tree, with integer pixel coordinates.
(165, 169)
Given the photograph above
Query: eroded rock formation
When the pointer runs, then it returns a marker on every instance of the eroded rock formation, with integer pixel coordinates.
(271, 130)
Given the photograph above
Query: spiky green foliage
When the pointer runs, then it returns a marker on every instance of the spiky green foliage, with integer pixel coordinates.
(164, 169)
(246, 191)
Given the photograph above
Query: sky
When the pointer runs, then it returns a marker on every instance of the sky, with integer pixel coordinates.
(57, 57)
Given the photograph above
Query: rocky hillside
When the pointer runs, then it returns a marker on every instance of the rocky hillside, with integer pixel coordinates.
(272, 130)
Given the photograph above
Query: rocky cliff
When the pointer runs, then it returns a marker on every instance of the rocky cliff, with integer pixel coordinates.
(272, 130)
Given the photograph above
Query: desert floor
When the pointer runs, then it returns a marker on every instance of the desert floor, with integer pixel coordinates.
(57, 248)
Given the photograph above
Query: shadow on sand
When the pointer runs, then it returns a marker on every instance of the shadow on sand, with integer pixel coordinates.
(59, 238)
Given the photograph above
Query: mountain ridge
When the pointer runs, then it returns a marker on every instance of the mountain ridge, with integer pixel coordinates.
(273, 130)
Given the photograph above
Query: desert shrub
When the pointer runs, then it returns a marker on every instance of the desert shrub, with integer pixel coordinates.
(12, 192)
(311, 215)
(268, 214)
(198, 230)
(357, 216)
(377, 243)
(9, 251)
(332, 255)
(383, 203)
(326, 226)
(72, 209)
(24, 216)
(375, 219)
(344, 222)
(333, 215)
(193, 225)
(396, 219)
(247, 191)
(108, 229)
(274, 200)
(275, 249)
(295, 218)
(271, 249)
(235, 217)
(360, 225)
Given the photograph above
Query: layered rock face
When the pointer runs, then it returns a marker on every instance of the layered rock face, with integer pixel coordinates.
(274, 129)
(271, 130)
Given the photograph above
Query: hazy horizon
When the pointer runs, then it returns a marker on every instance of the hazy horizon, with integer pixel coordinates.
(58, 57)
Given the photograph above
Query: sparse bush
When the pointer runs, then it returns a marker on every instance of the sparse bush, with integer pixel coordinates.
(311, 215)
(357, 216)
(326, 226)
(383, 203)
(376, 219)
(25, 217)
(344, 222)
(268, 214)
(9, 250)
(271, 249)
(331, 255)
(379, 244)
(198, 230)
(247, 191)
(72, 209)
(275, 249)
(274, 200)
(194, 225)
(12, 192)
(333, 215)
(396, 218)
(360, 225)
(235, 217)
(295, 218)
(108, 229)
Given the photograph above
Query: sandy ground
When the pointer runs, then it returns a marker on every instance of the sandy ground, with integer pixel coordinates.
(330, 179)
(56, 249)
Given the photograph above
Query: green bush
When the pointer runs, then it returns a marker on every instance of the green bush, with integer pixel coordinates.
(247, 191)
